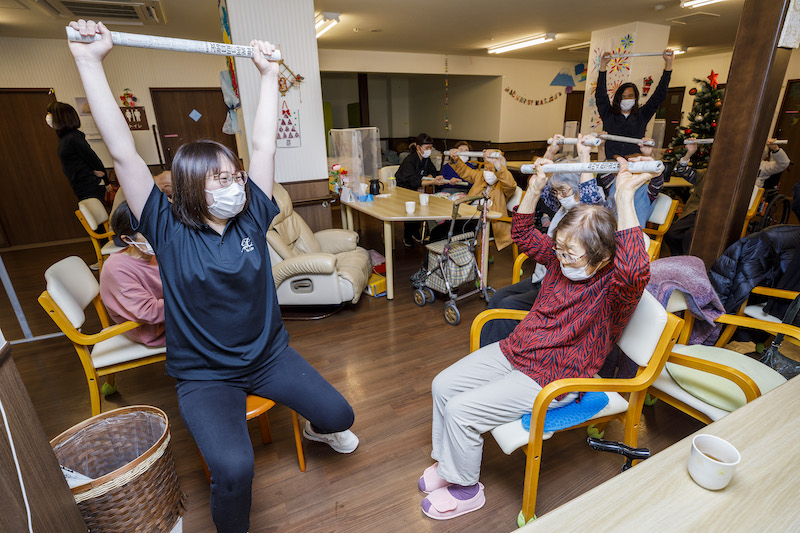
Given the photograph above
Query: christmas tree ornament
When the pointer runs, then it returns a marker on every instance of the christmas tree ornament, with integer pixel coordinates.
(699, 118)
(714, 124)
(687, 131)
(718, 103)
(712, 79)
(693, 91)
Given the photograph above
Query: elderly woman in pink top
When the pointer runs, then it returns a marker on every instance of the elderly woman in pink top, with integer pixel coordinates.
(130, 283)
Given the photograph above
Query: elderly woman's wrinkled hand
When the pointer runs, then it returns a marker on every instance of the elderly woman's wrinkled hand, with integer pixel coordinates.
(628, 182)
(539, 180)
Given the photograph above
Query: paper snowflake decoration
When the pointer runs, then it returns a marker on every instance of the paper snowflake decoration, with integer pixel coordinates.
(627, 42)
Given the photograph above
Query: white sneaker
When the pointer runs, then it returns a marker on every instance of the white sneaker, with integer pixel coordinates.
(95, 266)
(343, 441)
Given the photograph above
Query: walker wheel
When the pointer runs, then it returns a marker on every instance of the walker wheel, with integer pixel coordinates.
(488, 294)
(419, 297)
(429, 296)
(451, 314)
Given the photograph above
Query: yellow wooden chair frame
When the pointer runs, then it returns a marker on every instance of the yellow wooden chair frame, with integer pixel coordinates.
(82, 341)
(95, 237)
(636, 387)
(751, 211)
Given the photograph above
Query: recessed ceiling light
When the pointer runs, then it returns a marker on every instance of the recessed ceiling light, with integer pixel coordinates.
(698, 3)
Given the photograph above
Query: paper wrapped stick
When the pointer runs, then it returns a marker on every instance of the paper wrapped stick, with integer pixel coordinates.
(622, 139)
(589, 140)
(168, 43)
(476, 154)
(711, 141)
(641, 54)
(605, 167)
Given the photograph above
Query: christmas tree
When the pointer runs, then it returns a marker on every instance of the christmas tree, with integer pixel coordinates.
(702, 122)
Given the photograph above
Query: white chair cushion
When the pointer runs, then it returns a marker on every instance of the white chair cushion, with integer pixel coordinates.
(121, 349)
(640, 337)
(757, 311)
(661, 208)
(110, 248)
(753, 198)
(72, 286)
(512, 435)
(93, 211)
(515, 199)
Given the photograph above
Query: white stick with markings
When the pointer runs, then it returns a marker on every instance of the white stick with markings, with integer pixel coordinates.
(168, 43)
(603, 167)
(711, 141)
(623, 139)
(640, 54)
(589, 140)
(476, 154)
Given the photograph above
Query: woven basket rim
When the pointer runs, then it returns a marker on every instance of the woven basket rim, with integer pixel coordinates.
(123, 469)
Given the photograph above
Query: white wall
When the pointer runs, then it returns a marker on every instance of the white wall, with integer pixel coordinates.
(530, 78)
(47, 63)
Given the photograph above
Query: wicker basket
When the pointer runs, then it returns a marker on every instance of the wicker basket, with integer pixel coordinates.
(126, 451)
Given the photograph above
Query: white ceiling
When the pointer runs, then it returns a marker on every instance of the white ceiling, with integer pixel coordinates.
(463, 27)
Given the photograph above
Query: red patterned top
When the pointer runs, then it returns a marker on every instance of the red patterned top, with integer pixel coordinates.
(573, 326)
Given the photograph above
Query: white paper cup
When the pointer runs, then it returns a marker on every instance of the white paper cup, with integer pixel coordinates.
(712, 461)
(411, 207)
(424, 198)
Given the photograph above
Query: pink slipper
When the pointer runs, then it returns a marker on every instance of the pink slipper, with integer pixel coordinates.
(430, 480)
(441, 505)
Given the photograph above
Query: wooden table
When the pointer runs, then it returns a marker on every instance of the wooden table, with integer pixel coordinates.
(677, 182)
(393, 209)
(659, 495)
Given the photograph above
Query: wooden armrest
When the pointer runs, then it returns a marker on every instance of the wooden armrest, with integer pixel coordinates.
(113, 331)
(484, 317)
(775, 293)
(774, 328)
(515, 275)
(742, 380)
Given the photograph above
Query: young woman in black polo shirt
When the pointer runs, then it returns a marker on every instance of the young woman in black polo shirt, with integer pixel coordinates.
(623, 115)
(225, 336)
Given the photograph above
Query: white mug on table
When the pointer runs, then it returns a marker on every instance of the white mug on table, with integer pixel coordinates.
(423, 198)
(411, 207)
(712, 461)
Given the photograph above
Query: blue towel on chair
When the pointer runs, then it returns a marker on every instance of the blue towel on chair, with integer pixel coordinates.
(571, 414)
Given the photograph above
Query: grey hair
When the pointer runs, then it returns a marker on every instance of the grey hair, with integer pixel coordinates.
(570, 179)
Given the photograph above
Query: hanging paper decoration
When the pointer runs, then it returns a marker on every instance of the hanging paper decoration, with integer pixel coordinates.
(530, 101)
(618, 72)
(222, 7)
(288, 127)
(287, 79)
(231, 125)
(563, 79)
(580, 72)
(646, 84)
(446, 98)
(128, 100)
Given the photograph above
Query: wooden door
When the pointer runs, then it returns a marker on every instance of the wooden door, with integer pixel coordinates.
(36, 202)
(787, 128)
(670, 111)
(574, 107)
(188, 114)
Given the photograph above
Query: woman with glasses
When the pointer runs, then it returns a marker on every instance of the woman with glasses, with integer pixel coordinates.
(225, 336)
(597, 269)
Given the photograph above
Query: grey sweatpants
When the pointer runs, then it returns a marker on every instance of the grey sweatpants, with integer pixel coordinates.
(473, 396)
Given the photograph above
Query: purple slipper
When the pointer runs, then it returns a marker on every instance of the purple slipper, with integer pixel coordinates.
(442, 505)
(430, 480)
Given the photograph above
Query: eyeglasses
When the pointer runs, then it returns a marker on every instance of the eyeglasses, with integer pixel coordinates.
(567, 258)
(226, 178)
(563, 193)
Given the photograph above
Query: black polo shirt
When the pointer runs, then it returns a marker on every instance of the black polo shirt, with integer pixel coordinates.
(222, 314)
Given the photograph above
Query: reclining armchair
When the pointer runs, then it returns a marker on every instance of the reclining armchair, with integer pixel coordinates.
(323, 268)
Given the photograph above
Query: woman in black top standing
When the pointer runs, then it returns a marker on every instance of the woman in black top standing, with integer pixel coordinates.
(85, 171)
(623, 115)
(414, 169)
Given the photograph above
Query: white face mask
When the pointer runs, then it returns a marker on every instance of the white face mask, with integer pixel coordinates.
(426, 154)
(228, 202)
(49, 119)
(489, 177)
(627, 104)
(464, 158)
(568, 203)
(576, 273)
(143, 247)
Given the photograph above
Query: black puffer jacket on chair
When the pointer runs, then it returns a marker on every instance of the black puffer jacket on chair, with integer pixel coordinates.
(757, 259)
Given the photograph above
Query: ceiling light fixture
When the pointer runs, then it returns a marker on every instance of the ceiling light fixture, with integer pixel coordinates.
(679, 51)
(522, 43)
(325, 21)
(576, 46)
(698, 3)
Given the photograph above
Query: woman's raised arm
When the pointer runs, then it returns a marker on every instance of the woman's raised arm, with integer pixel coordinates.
(132, 171)
(265, 124)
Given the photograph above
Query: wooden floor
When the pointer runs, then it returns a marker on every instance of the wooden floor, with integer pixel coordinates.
(382, 356)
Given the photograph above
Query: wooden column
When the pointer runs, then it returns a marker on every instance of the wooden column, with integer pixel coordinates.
(363, 98)
(757, 70)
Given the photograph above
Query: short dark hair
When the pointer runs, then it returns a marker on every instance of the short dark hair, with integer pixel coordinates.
(423, 138)
(459, 144)
(65, 117)
(121, 224)
(192, 163)
(593, 226)
(615, 103)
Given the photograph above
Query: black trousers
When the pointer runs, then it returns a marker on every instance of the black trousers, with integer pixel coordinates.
(679, 236)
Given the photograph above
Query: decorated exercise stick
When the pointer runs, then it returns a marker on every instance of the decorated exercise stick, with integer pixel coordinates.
(168, 43)
(711, 141)
(589, 140)
(623, 139)
(641, 54)
(604, 167)
(476, 154)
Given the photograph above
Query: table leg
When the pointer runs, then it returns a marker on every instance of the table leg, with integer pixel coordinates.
(342, 212)
(350, 219)
(387, 250)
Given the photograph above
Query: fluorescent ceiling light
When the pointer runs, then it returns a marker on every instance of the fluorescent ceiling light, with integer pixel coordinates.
(528, 41)
(698, 3)
(679, 51)
(325, 21)
(576, 46)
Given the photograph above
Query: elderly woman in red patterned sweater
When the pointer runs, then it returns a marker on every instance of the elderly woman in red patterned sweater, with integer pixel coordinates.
(597, 269)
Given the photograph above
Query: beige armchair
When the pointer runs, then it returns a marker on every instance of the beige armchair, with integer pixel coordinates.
(323, 268)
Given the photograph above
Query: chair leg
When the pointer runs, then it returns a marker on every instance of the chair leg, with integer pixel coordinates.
(109, 387)
(632, 417)
(532, 467)
(266, 434)
(301, 458)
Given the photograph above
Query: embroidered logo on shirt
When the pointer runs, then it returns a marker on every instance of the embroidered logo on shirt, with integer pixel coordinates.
(247, 245)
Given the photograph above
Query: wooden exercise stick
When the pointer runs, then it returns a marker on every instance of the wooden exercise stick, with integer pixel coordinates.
(168, 43)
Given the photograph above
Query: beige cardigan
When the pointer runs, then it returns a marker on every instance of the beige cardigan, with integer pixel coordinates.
(499, 193)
